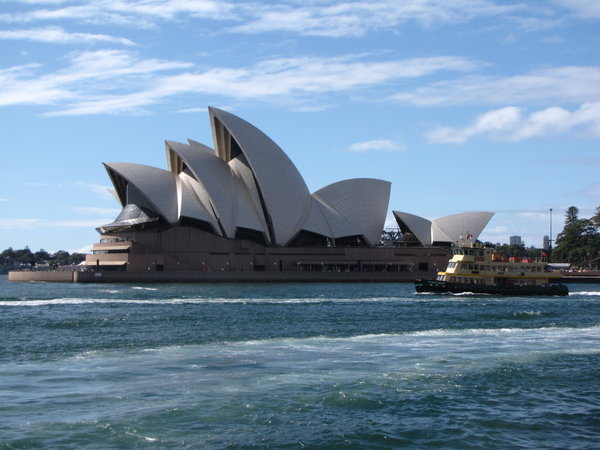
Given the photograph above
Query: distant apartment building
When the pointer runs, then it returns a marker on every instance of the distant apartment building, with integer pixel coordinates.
(546, 243)
(515, 240)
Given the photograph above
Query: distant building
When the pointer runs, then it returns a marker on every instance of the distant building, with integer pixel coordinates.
(546, 243)
(516, 240)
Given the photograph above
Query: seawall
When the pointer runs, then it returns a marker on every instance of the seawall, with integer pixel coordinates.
(217, 277)
(67, 276)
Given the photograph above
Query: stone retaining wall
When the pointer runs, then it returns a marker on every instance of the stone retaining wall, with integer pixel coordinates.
(42, 275)
(216, 277)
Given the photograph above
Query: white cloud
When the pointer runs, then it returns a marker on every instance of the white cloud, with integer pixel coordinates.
(111, 81)
(36, 224)
(326, 18)
(131, 13)
(95, 210)
(330, 18)
(84, 249)
(12, 224)
(592, 191)
(356, 18)
(102, 191)
(558, 84)
(381, 145)
(583, 9)
(5, 200)
(89, 223)
(511, 124)
(88, 74)
(57, 35)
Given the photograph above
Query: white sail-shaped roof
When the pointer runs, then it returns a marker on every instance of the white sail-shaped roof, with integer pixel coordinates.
(418, 226)
(450, 228)
(456, 226)
(438, 235)
(191, 204)
(362, 201)
(250, 197)
(248, 187)
(213, 174)
(247, 214)
(284, 195)
(158, 186)
(336, 224)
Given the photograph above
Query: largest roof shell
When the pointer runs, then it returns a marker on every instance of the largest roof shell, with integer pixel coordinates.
(280, 186)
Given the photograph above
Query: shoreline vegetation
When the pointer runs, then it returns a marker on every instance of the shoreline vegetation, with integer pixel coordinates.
(11, 259)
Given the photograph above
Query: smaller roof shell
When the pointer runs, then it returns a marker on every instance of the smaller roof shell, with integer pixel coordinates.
(159, 187)
(460, 225)
(417, 225)
(445, 229)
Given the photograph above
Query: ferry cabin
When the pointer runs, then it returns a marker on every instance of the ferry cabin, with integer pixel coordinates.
(481, 266)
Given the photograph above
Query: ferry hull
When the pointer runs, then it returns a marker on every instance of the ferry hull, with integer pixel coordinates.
(435, 286)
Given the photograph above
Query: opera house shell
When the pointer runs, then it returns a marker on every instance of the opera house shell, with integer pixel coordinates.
(244, 208)
(446, 230)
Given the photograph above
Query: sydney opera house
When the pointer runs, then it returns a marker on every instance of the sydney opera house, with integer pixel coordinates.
(242, 211)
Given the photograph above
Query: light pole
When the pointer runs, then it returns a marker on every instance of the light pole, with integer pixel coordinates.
(550, 240)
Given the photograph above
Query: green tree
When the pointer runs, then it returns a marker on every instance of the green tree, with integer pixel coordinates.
(596, 218)
(571, 215)
(62, 258)
(579, 242)
(76, 258)
(41, 256)
(7, 257)
(10, 257)
(24, 256)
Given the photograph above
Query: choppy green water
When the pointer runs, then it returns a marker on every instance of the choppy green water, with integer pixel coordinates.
(295, 365)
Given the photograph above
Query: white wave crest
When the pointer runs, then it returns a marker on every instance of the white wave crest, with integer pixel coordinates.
(587, 293)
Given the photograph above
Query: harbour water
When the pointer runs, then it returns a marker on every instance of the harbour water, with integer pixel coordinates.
(295, 365)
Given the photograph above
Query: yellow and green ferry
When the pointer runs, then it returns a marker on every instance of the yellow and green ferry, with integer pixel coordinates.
(478, 269)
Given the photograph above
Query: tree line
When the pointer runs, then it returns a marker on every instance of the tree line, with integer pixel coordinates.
(25, 257)
(579, 241)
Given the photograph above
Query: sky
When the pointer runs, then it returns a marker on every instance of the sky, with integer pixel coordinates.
(468, 105)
